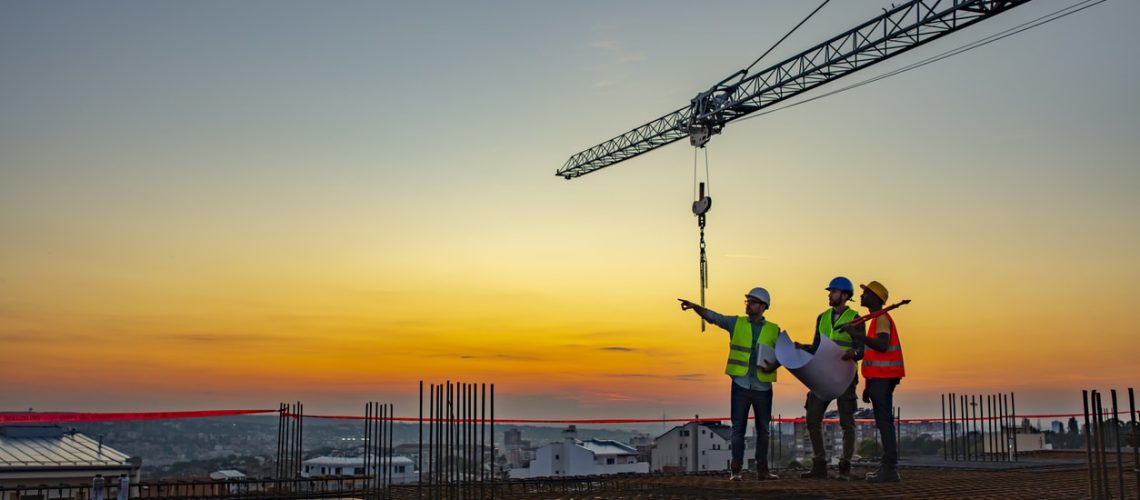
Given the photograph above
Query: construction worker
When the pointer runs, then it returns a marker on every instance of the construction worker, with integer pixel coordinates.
(883, 369)
(839, 290)
(751, 383)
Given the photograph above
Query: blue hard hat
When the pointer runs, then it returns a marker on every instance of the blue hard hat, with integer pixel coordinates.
(842, 284)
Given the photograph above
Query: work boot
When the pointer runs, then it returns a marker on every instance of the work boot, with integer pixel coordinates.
(885, 474)
(763, 474)
(818, 469)
(735, 466)
(844, 470)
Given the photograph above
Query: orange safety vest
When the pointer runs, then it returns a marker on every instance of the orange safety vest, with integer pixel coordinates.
(888, 364)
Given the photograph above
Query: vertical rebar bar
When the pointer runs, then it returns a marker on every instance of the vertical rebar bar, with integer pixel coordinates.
(438, 471)
(1116, 442)
(463, 441)
(994, 424)
(482, 437)
(1135, 438)
(1088, 444)
(280, 434)
(367, 444)
(898, 430)
(1013, 412)
(300, 437)
(420, 456)
(492, 437)
(430, 433)
(780, 438)
(953, 426)
(974, 424)
(988, 428)
(966, 453)
(391, 443)
(385, 445)
(471, 440)
(374, 448)
(1102, 467)
(943, 398)
(1005, 448)
(452, 390)
(988, 424)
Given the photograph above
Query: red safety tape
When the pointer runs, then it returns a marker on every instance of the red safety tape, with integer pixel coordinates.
(789, 420)
(63, 417)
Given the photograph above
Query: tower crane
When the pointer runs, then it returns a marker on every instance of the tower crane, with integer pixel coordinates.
(896, 31)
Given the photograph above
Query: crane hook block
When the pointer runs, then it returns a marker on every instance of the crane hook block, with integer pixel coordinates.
(703, 204)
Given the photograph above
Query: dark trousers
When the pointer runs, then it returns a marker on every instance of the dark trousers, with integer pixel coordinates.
(816, 407)
(761, 404)
(882, 394)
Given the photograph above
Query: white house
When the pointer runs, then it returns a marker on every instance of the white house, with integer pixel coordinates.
(573, 457)
(402, 471)
(32, 455)
(693, 447)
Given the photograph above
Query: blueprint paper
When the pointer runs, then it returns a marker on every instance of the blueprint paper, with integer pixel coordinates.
(825, 373)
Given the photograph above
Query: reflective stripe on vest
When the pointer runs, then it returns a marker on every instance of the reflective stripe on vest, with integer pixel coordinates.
(826, 328)
(740, 348)
(886, 364)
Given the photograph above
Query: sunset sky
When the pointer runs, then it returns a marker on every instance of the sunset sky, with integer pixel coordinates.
(231, 204)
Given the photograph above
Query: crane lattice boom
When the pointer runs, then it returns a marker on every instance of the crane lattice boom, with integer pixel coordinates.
(896, 31)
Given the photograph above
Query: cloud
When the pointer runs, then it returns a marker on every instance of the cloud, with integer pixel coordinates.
(603, 44)
(617, 349)
(205, 337)
(45, 337)
(507, 357)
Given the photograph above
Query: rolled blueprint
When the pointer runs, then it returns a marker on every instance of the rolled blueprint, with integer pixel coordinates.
(825, 373)
(767, 356)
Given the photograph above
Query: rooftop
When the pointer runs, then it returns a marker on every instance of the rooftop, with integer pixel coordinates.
(607, 447)
(26, 447)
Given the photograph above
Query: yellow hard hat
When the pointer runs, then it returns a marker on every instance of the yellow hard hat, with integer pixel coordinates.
(876, 288)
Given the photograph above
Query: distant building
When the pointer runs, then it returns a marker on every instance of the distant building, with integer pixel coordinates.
(517, 451)
(573, 457)
(643, 443)
(833, 434)
(1027, 440)
(47, 454)
(693, 447)
(227, 475)
(236, 479)
(402, 471)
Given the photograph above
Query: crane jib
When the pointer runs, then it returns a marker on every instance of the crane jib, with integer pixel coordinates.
(896, 31)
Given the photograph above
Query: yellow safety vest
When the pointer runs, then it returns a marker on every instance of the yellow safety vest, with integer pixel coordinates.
(827, 328)
(740, 347)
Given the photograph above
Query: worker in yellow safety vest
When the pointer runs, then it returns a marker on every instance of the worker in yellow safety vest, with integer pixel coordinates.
(839, 290)
(752, 377)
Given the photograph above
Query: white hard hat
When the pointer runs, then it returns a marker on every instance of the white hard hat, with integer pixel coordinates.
(760, 294)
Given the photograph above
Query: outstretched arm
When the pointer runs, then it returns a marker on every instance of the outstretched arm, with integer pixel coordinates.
(725, 322)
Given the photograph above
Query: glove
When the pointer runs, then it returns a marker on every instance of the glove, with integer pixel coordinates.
(866, 397)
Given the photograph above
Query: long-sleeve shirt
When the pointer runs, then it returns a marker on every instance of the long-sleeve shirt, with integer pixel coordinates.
(728, 323)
